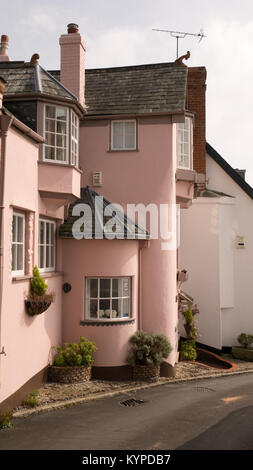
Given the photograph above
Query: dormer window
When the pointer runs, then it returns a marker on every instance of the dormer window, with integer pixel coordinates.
(185, 144)
(61, 126)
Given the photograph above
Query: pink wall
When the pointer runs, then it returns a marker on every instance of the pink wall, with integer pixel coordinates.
(143, 176)
(26, 340)
(87, 258)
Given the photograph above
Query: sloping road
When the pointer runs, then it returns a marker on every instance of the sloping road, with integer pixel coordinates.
(206, 414)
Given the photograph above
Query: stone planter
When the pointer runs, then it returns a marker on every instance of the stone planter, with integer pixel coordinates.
(36, 307)
(146, 373)
(245, 354)
(69, 374)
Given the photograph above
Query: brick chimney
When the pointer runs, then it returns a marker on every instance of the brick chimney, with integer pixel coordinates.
(4, 46)
(2, 90)
(196, 102)
(73, 61)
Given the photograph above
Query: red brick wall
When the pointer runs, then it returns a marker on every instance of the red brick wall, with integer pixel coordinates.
(196, 102)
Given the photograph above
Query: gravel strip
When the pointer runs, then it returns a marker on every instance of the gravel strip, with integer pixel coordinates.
(52, 394)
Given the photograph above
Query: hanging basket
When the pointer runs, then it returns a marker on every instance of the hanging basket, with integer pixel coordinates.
(38, 305)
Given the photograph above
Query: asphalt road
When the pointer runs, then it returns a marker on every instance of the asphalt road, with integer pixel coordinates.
(207, 414)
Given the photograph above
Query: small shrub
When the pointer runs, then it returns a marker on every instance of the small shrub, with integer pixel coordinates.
(32, 400)
(148, 349)
(6, 420)
(188, 351)
(73, 354)
(245, 340)
(38, 285)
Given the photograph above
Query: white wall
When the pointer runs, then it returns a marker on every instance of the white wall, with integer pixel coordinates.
(220, 275)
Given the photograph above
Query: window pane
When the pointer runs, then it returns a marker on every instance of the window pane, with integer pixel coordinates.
(61, 127)
(118, 135)
(126, 287)
(130, 135)
(14, 257)
(105, 288)
(20, 229)
(47, 257)
(115, 287)
(14, 228)
(60, 154)
(93, 287)
(93, 308)
(50, 111)
(52, 257)
(61, 113)
(20, 260)
(50, 125)
(126, 308)
(41, 257)
(50, 153)
(60, 140)
(47, 232)
(105, 306)
(116, 308)
(50, 139)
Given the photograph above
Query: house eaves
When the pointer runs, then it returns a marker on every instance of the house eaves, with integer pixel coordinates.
(229, 170)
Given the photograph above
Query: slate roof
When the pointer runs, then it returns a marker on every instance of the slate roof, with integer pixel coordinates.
(138, 89)
(229, 170)
(22, 78)
(95, 225)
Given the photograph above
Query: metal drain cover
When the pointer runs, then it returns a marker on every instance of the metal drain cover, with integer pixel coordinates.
(203, 389)
(131, 402)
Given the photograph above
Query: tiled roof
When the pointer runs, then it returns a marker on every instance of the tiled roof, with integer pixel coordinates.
(94, 225)
(24, 78)
(139, 89)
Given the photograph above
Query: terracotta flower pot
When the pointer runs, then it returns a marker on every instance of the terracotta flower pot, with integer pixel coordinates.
(145, 372)
(69, 374)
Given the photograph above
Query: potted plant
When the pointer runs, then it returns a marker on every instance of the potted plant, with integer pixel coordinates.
(188, 350)
(146, 354)
(245, 351)
(189, 325)
(38, 300)
(73, 362)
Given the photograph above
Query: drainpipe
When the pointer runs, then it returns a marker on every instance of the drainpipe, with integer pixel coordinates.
(5, 122)
(142, 244)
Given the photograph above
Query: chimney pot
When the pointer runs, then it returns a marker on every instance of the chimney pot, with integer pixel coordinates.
(73, 28)
(4, 48)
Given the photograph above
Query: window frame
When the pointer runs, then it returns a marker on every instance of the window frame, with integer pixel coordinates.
(88, 298)
(190, 143)
(49, 160)
(18, 272)
(123, 149)
(53, 267)
(73, 139)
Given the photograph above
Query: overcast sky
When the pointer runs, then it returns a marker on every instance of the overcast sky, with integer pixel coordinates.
(119, 32)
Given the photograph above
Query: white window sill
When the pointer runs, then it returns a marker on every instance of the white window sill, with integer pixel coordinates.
(25, 277)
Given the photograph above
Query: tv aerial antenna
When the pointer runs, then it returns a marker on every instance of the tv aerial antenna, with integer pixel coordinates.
(181, 35)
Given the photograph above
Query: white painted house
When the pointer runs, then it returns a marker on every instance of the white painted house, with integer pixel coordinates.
(217, 250)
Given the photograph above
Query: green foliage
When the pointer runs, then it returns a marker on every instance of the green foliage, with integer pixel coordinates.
(73, 354)
(148, 349)
(188, 350)
(38, 285)
(188, 315)
(32, 400)
(245, 340)
(6, 421)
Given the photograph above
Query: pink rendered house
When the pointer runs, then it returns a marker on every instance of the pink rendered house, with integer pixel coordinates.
(67, 136)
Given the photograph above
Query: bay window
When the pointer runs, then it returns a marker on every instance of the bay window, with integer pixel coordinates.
(46, 245)
(108, 298)
(185, 144)
(18, 244)
(61, 133)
